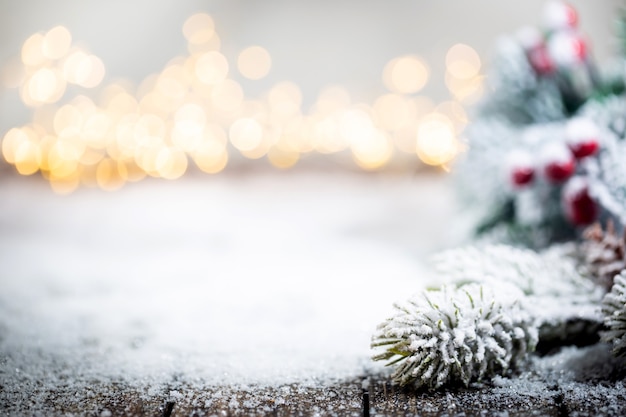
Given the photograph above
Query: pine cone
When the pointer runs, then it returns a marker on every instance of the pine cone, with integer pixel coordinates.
(454, 335)
(614, 310)
(604, 253)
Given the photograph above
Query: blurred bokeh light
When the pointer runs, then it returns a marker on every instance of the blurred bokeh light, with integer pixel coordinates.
(223, 99)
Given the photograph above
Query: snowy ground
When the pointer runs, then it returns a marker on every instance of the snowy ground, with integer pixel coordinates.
(241, 294)
(267, 278)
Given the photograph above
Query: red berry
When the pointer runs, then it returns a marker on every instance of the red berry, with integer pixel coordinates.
(521, 169)
(579, 47)
(572, 16)
(582, 136)
(541, 61)
(558, 15)
(584, 149)
(559, 171)
(567, 49)
(580, 209)
(522, 176)
(558, 162)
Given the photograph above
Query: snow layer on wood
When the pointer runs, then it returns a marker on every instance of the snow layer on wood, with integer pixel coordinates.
(265, 279)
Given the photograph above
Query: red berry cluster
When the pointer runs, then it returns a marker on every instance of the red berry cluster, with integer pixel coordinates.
(556, 164)
(561, 45)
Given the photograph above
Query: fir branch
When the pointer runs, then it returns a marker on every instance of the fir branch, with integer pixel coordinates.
(454, 335)
(550, 285)
(553, 272)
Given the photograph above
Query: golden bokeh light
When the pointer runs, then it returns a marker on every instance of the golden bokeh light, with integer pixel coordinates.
(227, 96)
(211, 68)
(46, 142)
(56, 43)
(84, 104)
(405, 138)
(76, 67)
(70, 148)
(355, 124)
(394, 111)
(254, 62)
(194, 110)
(11, 142)
(172, 84)
(211, 157)
(110, 175)
(149, 129)
(91, 157)
(285, 101)
(246, 134)
(406, 74)
(121, 103)
(67, 118)
(199, 28)
(45, 86)
(436, 141)
(214, 44)
(96, 73)
(372, 151)
(180, 70)
(282, 158)
(83, 69)
(462, 61)
(133, 172)
(27, 158)
(190, 119)
(466, 90)
(32, 51)
(327, 135)
(171, 163)
(61, 163)
(95, 130)
(125, 143)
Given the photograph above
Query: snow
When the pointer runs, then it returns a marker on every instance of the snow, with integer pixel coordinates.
(268, 278)
(581, 129)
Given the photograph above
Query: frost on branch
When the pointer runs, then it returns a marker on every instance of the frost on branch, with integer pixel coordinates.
(454, 335)
(561, 299)
(607, 172)
(518, 95)
(614, 309)
(553, 272)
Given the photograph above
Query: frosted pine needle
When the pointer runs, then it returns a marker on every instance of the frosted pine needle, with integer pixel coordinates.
(550, 273)
(454, 335)
(614, 309)
(548, 284)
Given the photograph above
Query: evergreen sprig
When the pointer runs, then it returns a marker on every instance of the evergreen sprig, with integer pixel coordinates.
(550, 285)
(553, 272)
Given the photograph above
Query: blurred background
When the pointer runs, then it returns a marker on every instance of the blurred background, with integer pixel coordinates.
(103, 93)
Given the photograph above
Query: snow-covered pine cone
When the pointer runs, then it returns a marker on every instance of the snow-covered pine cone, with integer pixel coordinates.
(604, 253)
(454, 335)
(614, 310)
